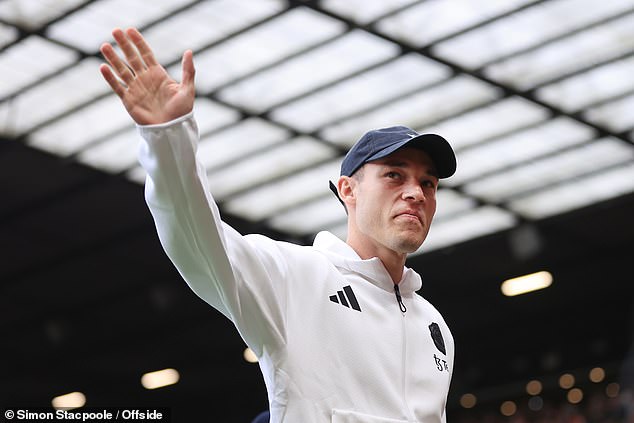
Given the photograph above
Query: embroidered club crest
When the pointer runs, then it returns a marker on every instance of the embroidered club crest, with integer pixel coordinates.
(436, 335)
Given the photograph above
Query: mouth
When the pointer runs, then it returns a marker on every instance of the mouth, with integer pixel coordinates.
(410, 215)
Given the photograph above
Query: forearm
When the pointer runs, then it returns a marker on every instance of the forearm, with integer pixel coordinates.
(229, 272)
(187, 219)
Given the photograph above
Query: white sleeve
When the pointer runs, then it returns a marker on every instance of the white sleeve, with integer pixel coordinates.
(242, 277)
(451, 349)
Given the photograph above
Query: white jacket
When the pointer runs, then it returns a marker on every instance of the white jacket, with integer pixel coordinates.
(332, 342)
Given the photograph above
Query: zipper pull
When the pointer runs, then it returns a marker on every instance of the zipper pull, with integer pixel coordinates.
(397, 291)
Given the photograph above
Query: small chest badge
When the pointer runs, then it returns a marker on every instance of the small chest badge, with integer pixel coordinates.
(436, 335)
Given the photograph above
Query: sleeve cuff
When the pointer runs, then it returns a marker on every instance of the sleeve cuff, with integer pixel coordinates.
(167, 124)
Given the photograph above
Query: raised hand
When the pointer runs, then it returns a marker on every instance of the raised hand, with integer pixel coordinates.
(148, 93)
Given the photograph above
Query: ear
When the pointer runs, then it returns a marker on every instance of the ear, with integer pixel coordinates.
(346, 187)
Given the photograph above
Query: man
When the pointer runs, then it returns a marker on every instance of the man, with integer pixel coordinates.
(340, 333)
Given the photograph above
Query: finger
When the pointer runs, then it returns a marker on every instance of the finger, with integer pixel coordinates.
(116, 63)
(144, 49)
(112, 80)
(188, 69)
(131, 54)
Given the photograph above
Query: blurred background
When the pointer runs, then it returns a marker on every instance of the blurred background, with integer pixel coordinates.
(537, 98)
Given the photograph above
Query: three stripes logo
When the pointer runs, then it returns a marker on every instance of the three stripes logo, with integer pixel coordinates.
(346, 298)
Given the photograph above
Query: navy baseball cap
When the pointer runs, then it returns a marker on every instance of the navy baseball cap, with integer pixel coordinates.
(380, 143)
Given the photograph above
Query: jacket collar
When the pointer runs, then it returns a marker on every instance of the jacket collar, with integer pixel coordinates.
(343, 256)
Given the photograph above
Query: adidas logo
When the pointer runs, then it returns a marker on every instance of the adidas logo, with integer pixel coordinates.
(346, 298)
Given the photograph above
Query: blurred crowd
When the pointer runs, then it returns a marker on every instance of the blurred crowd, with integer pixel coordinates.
(596, 409)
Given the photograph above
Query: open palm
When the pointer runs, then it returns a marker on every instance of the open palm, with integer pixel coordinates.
(148, 93)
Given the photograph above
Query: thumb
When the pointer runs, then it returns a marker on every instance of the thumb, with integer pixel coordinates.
(188, 69)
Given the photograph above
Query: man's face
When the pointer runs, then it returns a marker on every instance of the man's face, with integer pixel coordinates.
(395, 200)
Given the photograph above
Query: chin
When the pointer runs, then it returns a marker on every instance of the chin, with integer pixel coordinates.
(409, 246)
(411, 242)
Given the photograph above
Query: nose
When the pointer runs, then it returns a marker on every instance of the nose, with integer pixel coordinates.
(413, 192)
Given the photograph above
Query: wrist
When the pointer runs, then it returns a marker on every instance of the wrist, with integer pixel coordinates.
(168, 123)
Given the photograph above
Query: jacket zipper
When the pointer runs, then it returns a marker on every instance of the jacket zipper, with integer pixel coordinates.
(399, 299)
(404, 372)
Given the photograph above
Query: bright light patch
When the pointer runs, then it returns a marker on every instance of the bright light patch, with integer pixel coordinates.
(53, 98)
(285, 87)
(469, 128)
(364, 11)
(32, 14)
(387, 82)
(236, 142)
(267, 43)
(114, 155)
(581, 50)
(310, 217)
(352, 52)
(612, 390)
(431, 20)
(468, 401)
(518, 147)
(87, 28)
(75, 131)
(249, 355)
(137, 174)
(19, 66)
(551, 170)
(566, 381)
(194, 29)
(508, 408)
(160, 378)
(602, 83)
(517, 32)
(575, 396)
(7, 34)
(69, 401)
(581, 192)
(534, 387)
(597, 375)
(464, 226)
(450, 202)
(615, 115)
(439, 102)
(211, 115)
(278, 161)
(527, 283)
(272, 198)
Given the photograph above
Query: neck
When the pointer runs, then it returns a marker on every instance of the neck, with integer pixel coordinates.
(394, 267)
(392, 261)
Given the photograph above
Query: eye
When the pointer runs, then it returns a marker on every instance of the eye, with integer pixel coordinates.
(428, 183)
(393, 175)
